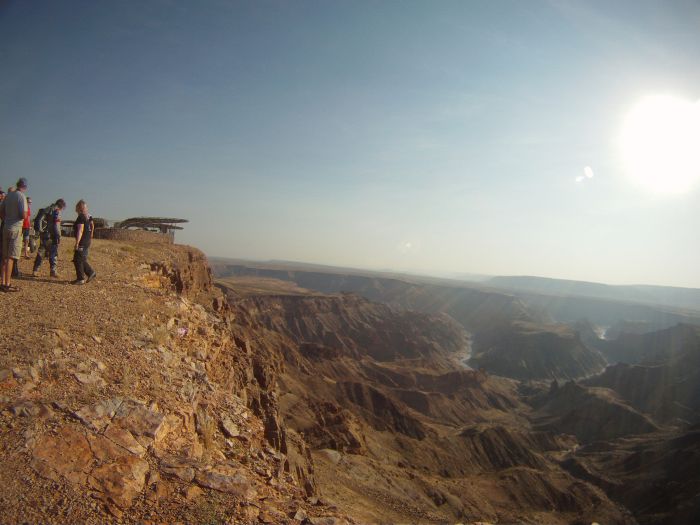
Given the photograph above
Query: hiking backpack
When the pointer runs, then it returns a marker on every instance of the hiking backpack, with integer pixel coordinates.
(42, 220)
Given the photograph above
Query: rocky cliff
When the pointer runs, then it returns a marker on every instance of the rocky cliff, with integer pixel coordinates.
(400, 429)
(474, 308)
(130, 400)
(666, 383)
(591, 414)
(524, 350)
(655, 475)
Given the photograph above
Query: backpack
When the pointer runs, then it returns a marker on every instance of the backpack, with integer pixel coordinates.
(42, 220)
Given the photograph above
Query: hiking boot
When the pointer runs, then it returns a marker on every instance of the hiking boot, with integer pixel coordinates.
(78, 281)
(54, 274)
(91, 277)
(35, 274)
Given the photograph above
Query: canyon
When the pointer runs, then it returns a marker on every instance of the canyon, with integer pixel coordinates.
(230, 393)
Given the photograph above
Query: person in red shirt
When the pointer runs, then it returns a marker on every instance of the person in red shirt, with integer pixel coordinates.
(26, 226)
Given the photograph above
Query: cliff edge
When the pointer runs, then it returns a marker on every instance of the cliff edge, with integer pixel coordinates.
(130, 400)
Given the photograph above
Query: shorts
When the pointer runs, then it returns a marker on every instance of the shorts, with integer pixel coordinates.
(11, 244)
(25, 234)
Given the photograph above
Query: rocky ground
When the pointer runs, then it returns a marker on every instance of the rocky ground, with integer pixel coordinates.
(118, 402)
(152, 396)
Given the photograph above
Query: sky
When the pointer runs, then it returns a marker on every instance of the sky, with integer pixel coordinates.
(439, 137)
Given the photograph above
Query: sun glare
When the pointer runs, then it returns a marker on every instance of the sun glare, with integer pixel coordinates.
(660, 143)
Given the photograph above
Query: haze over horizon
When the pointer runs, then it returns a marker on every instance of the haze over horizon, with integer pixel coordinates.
(557, 138)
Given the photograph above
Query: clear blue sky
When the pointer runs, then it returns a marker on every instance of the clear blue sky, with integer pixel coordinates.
(434, 136)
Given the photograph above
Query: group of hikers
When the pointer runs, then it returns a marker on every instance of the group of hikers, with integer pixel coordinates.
(15, 214)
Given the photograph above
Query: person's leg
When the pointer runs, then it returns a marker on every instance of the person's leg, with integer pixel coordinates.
(42, 250)
(9, 270)
(3, 256)
(89, 272)
(53, 258)
(78, 262)
(37, 260)
(25, 242)
(6, 272)
(14, 252)
(15, 265)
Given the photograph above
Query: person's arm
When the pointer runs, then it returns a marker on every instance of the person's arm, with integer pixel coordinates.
(56, 232)
(22, 208)
(79, 228)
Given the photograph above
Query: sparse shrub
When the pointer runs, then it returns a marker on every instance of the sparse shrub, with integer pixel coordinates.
(128, 379)
(51, 370)
(160, 336)
(206, 428)
(207, 511)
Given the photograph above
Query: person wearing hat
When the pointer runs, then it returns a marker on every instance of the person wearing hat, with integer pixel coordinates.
(13, 211)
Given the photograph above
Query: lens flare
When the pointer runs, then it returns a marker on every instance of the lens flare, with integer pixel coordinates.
(660, 144)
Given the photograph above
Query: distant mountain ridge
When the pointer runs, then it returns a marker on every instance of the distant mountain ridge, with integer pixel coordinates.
(674, 297)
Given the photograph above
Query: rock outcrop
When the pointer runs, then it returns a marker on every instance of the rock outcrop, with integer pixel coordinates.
(666, 383)
(530, 351)
(380, 397)
(134, 401)
(654, 475)
(590, 414)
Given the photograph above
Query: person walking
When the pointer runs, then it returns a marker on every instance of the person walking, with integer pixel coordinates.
(84, 227)
(49, 237)
(13, 211)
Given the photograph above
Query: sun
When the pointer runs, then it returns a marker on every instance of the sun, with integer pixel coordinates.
(660, 144)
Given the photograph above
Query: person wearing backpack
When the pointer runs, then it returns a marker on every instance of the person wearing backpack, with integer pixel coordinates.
(47, 224)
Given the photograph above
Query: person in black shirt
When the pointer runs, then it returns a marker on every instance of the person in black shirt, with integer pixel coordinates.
(84, 227)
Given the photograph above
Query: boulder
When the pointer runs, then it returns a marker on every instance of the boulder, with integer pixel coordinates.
(104, 449)
(145, 425)
(236, 484)
(93, 378)
(331, 455)
(67, 454)
(121, 481)
(124, 439)
(230, 428)
(99, 415)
